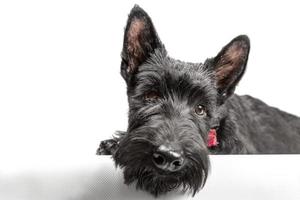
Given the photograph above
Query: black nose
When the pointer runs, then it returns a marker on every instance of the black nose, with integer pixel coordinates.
(168, 159)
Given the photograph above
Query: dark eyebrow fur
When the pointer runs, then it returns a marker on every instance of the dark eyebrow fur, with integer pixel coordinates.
(181, 86)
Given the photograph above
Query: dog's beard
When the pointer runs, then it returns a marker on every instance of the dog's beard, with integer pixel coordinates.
(134, 156)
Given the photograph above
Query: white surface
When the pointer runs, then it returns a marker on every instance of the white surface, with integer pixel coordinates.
(61, 92)
(232, 177)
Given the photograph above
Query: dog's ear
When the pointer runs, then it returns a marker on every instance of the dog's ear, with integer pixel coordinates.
(140, 41)
(230, 64)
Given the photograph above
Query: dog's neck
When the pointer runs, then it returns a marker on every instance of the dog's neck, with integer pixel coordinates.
(227, 133)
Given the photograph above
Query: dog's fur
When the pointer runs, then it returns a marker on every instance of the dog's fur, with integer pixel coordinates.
(164, 95)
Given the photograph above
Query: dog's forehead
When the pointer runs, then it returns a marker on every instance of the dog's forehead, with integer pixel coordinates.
(195, 73)
(184, 79)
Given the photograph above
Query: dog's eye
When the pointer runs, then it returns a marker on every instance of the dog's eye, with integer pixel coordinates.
(151, 96)
(200, 110)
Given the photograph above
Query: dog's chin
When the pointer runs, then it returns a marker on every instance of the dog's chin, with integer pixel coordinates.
(157, 182)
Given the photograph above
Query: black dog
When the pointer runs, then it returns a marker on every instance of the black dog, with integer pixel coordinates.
(182, 112)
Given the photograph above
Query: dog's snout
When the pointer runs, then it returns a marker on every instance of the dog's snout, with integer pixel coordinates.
(168, 159)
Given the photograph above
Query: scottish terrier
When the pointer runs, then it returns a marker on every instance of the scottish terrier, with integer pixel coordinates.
(181, 112)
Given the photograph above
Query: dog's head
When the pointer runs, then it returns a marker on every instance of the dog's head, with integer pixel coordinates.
(173, 106)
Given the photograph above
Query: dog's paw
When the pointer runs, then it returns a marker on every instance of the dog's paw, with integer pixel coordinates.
(107, 147)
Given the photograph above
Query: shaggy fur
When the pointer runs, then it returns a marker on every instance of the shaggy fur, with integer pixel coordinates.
(175, 104)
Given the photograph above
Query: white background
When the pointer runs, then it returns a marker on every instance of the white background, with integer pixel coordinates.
(60, 88)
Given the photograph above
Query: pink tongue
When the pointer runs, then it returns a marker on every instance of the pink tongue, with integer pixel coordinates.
(212, 138)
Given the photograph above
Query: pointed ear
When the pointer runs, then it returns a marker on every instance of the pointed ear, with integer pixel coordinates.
(230, 64)
(140, 41)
